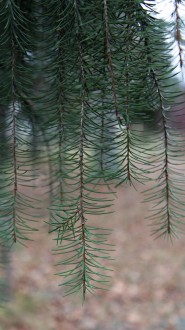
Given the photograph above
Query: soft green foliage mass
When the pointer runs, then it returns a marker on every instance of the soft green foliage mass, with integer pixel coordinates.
(78, 77)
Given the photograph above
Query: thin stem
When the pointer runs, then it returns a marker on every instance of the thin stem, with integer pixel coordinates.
(178, 33)
(166, 161)
(109, 58)
(81, 152)
(14, 138)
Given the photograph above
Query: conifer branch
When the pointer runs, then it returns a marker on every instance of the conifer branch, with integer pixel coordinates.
(165, 170)
(109, 58)
(81, 167)
(127, 79)
(13, 37)
(178, 31)
(14, 138)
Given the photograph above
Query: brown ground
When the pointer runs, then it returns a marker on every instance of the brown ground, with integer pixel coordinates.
(147, 290)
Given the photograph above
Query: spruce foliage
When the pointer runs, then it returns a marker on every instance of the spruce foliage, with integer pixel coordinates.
(77, 79)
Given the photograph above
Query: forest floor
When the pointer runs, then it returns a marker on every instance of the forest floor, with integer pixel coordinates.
(147, 290)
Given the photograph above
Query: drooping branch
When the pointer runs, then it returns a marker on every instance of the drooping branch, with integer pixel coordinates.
(109, 58)
(178, 32)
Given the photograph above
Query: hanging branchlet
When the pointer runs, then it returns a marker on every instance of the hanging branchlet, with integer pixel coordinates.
(179, 26)
(127, 87)
(165, 174)
(81, 152)
(78, 177)
(15, 42)
(165, 218)
(130, 71)
(109, 58)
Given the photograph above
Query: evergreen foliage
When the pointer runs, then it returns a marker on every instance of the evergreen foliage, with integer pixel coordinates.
(77, 78)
